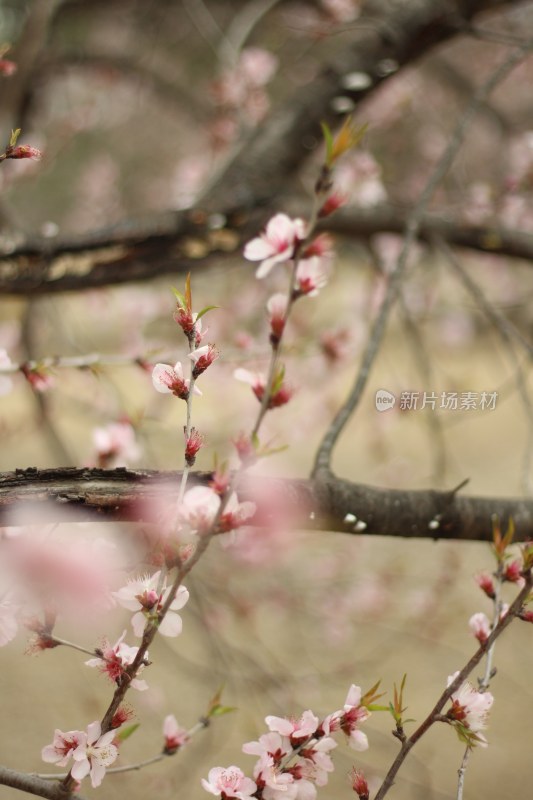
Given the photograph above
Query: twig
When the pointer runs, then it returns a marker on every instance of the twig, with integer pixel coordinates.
(510, 336)
(324, 454)
(435, 714)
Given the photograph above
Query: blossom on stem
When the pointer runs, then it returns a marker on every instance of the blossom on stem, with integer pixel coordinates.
(277, 244)
(480, 627)
(236, 514)
(115, 660)
(94, 754)
(142, 596)
(513, 572)
(470, 709)
(311, 276)
(359, 784)
(349, 719)
(24, 151)
(199, 508)
(175, 735)
(277, 312)
(202, 358)
(335, 201)
(193, 443)
(38, 379)
(7, 67)
(280, 394)
(62, 748)
(294, 729)
(486, 584)
(245, 448)
(229, 782)
(115, 444)
(170, 380)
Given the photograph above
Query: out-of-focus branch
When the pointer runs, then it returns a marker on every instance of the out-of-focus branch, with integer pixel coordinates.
(326, 446)
(494, 239)
(181, 242)
(327, 504)
(259, 174)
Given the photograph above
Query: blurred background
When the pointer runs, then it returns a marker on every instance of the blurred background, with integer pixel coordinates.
(137, 106)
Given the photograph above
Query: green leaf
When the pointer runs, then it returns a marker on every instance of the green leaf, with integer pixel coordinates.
(179, 297)
(218, 711)
(14, 137)
(125, 733)
(204, 311)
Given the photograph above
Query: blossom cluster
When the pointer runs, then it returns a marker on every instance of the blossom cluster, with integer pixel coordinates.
(91, 751)
(294, 756)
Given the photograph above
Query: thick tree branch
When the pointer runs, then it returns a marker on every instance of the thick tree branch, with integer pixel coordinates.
(183, 242)
(31, 784)
(327, 504)
(366, 222)
(392, 31)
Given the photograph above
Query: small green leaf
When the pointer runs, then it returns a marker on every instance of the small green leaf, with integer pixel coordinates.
(377, 707)
(125, 733)
(204, 311)
(179, 297)
(14, 137)
(218, 711)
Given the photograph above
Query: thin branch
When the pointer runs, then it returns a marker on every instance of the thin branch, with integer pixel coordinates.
(324, 454)
(435, 714)
(510, 336)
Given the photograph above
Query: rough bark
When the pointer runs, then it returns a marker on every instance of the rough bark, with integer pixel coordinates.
(320, 505)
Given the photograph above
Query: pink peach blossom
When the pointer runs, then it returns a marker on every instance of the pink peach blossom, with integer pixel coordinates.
(142, 596)
(229, 782)
(276, 244)
(175, 735)
(93, 754)
(170, 380)
(62, 748)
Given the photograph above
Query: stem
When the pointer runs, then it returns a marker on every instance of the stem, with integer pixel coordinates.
(461, 773)
(433, 716)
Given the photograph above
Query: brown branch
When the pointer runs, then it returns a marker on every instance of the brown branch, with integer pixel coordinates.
(31, 784)
(258, 175)
(327, 504)
(181, 242)
(362, 223)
